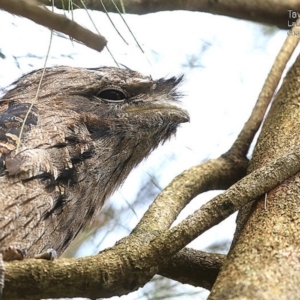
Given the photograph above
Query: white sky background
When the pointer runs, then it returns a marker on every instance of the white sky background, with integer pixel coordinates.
(225, 62)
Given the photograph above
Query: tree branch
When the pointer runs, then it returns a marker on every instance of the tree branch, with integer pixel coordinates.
(265, 259)
(273, 12)
(246, 136)
(214, 174)
(135, 259)
(194, 267)
(41, 15)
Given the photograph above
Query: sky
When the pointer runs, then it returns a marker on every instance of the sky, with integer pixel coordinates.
(225, 62)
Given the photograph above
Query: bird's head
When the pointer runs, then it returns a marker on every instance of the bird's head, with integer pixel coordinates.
(110, 100)
(86, 131)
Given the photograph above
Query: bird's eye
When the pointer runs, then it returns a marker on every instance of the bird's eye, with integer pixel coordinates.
(112, 95)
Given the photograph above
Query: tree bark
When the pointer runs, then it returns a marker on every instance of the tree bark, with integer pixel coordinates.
(264, 263)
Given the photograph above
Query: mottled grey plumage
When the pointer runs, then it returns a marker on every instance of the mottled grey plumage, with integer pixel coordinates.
(87, 131)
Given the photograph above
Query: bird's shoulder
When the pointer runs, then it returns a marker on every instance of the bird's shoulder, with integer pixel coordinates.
(15, 119)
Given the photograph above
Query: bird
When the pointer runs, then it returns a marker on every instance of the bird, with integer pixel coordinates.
(68, 141)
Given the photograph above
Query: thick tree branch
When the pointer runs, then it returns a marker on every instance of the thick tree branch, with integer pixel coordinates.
(246, 190)
(194, 267)
(131, 263)
(41, 15)
(273, 12)
(269, 241)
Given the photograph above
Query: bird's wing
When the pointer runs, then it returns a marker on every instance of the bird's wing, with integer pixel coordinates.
(33, 178)
(12, 117)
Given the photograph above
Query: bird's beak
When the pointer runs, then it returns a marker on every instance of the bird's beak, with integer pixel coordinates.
(171, 111)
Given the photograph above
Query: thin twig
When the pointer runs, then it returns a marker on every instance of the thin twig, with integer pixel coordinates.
(245, 138)
(37, 92)
(112, 23)
(120, 14)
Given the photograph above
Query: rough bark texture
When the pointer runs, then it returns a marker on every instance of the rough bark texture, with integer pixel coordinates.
(264, 264)
(194, 267)
(273, 12)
